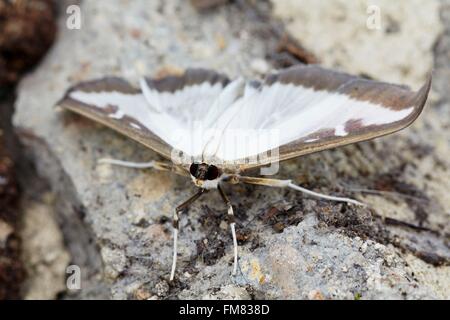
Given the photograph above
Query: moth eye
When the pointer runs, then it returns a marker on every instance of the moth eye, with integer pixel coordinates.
(193, 169)
(212, 173)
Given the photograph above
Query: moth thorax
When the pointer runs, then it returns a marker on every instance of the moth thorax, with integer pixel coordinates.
(204, 171)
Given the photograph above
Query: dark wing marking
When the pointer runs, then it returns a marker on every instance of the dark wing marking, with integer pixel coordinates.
(149, 119)
(316, 109)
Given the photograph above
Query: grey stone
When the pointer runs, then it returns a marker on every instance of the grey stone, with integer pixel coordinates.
(116, 221)
(356, 35)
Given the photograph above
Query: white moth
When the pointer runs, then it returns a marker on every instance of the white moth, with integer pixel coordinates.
(213, 129)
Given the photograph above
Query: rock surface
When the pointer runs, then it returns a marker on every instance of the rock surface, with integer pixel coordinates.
(11, 268)
(44, 253)
(357, 35)
(27, 29)
(116, 221)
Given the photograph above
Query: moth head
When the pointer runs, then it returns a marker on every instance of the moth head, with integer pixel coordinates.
(204, 175)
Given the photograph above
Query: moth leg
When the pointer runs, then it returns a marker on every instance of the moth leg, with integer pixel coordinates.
(288, 184)
(175, 224)
(232, 226)
(158, 165)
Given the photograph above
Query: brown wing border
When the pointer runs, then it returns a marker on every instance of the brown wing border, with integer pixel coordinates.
(298, 147)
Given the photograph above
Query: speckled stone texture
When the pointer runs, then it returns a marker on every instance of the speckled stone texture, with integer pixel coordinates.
(116, 221)
(12, 271)
(401, 35)
(27, 29)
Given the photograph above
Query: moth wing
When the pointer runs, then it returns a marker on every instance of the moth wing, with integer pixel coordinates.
(309, 109)
(114, 103)
(152, 113)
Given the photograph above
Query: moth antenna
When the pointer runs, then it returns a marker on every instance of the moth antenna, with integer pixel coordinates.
(288, 184)
(128, 164)
(157, 165)
(323, 196)
(388, 193)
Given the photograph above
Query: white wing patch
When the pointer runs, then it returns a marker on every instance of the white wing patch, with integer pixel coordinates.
(238, 121)
(134, 106)
(185, 119)
(188, 103)
(200, 125)
(291, 112)
(211, 119)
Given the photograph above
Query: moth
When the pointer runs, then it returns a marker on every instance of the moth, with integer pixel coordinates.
(213, 129)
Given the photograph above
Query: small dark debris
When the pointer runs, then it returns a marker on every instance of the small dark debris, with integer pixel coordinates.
(175, 286)
(294, 49)
(254, 293)
(163, 220)
(210, 249)
(366, 76)
(79, 211)
(432, 258)
(282, 49)
(282, 60)
(206, 5)
(218, 240)
(367, 224)
(280, 218)
(392, 26)
(243, 235)
(142, 223)
(417, 200)
(355, 222)
(421, 150)
(256, 243)
(395, 222)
